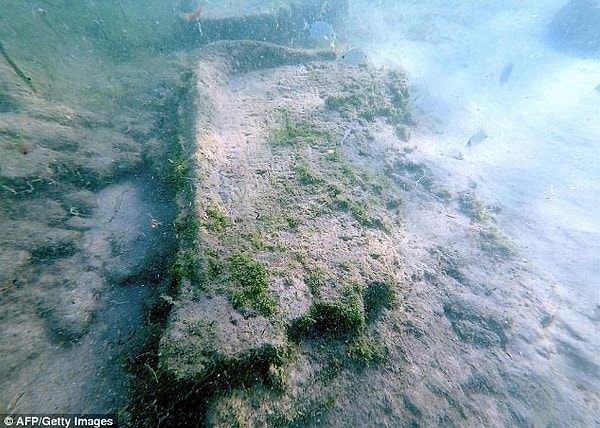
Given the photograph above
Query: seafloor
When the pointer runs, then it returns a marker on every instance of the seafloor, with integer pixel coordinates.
(209, 227)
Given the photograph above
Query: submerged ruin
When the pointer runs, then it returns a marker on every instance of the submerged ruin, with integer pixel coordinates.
(226, 225)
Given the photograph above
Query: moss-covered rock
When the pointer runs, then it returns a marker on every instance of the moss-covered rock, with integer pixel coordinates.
(289, 242)
(212, 336)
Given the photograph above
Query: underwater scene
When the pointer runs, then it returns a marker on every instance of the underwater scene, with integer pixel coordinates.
(300, 213)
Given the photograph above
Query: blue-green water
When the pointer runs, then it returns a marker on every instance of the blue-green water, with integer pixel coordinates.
(89, 137)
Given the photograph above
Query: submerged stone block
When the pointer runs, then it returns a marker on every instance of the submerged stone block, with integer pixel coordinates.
(286, 230)
(209, 335)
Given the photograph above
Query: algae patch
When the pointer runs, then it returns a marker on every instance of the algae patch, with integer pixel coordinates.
(330, 318)
(295, 131)
(491, 238)
(251, 282)
(368, 97)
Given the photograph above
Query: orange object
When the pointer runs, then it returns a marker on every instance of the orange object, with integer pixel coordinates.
(193, 16)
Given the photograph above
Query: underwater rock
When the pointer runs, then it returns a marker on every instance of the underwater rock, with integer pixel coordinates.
(215, 333)
(68, 306)
(282, 244)
(11, 261)
(575, 27)
(37, 154)
(128, 234)
(42, 242)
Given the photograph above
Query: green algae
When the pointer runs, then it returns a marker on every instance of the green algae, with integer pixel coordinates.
(334, 319)
(294, 131)
(251, 282)
(370, 99)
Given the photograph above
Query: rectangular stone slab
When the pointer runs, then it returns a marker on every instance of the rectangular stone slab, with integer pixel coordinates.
(290, 225)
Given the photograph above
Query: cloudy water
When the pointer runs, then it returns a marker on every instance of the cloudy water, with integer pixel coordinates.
(221, 213)
(511, 111)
